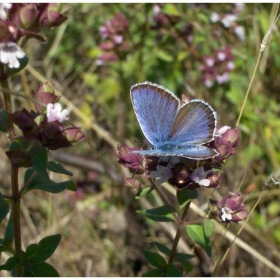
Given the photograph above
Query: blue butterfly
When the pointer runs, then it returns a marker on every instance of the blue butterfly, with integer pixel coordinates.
(173, 129)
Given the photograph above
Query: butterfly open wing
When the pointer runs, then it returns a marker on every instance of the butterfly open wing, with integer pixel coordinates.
(195, 123)
(155, 108)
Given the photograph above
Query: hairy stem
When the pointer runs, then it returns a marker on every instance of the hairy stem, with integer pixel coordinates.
(178, 233)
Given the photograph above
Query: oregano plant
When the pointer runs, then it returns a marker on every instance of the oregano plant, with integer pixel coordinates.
(42, 130)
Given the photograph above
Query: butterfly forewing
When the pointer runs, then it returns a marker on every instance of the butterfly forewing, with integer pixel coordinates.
(194, 123)
(155, 109)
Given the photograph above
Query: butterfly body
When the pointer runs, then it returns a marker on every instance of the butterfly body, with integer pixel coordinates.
(171, 128)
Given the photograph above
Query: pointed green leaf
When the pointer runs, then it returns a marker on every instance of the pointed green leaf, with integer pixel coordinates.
(185, 195)
(170, 9)
(39, 157)
(58, 168)
(160, 214)
(44, 250)
(4, 208)
(164, 249)
(196, 233)
(182, 257)
(143, 192)
(209, 227)
(10, 264)
(155, 259)
(171, 271)
(41, 269)
(41, 183)
(188, 267)
(3, 122)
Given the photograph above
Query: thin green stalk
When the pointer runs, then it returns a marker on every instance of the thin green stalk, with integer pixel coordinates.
(178, 233)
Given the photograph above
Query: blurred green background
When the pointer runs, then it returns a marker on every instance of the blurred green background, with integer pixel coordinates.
(205, 51)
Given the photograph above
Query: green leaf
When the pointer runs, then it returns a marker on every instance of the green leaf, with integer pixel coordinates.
(42, 269)
(4, 208)
(23, 63)
(163, 55)
(10, 264)
(153, 273)
(185, 195)
(209, 227)
(160, 214)
(170, 9)
(164, 249)
(171, 271)
(155, 259)
(58, 168)
(41, 183)
(39, 157)
(196, 233)
(143, 192)
(3, 121)
(44, 249)
(182, 257)
(188, 267)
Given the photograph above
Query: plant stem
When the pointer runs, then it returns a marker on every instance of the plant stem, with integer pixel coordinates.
(178, 233)
(14, 171)
(164, 199)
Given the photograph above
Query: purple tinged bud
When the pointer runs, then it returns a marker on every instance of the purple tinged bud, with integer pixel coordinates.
(181, 176)
(28, 15)
(132, 184)
(44, 94)
(74, 134)
(130, 160)
(19, 158)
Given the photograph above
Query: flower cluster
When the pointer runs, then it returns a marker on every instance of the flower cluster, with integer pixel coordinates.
(181, 172)
(24, 20)
(230, 209)
(46, 125)
(113, 34)
(216, 68)
(228, 21)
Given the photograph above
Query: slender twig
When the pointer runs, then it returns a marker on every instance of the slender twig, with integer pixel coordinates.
(165, 200)
(26, 184)
(262, 47)
(178, 233)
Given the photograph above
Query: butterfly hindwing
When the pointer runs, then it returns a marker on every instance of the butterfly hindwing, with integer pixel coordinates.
(194, 123)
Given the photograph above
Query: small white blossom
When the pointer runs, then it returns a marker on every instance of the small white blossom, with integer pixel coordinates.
(10, 52)
(239, 32)
(230, 65)
(209, 61)
(171, 160)
(228, 20)
(54, 113)
(214, 17)
(208, 82)
(221, 79)
(118, 39)
(226, 214)
(199, 175)
(239, 6)
(222, 130)
(162, 174)
(3, 8)
(221, 55)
